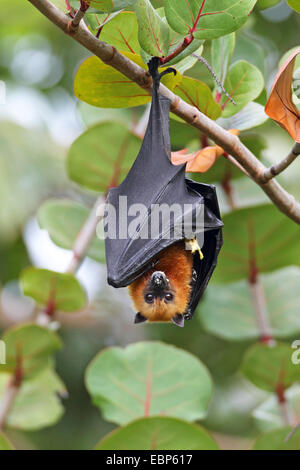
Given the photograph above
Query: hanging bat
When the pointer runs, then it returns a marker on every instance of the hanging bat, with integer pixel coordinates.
(166, 281)
(163, 293)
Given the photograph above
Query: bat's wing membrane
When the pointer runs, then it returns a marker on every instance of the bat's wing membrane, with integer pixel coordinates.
(154, 189)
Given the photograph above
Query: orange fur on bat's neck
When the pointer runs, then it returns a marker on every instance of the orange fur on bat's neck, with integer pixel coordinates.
(177, 263)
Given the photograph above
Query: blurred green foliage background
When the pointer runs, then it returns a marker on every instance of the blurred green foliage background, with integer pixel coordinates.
(39, 121)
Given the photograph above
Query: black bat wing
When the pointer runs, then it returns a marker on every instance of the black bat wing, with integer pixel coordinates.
(154, 180)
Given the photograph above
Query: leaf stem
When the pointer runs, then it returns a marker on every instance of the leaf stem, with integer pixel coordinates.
(285, 406)
(185, 43)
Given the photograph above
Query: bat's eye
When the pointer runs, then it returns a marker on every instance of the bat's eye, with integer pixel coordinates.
(169, 296)
(149, 298)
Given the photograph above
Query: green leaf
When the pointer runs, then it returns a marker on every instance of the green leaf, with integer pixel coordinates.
(228, 310)
(217, 18)
(244, 83)
(143, 380)
(294, 4)
(252, 115)
(37, 403)
(158, 433)
(269, 366)
(175, 41)
(268, 415)
(121, 31)
(221, 54)
(261, 232)
(198, 94)
(101, 85)
(33, 344)
(4, 443)
(61, 289)
(102, 156)
(63, 219)
(276, 440)
(153, 32)
(110, 5)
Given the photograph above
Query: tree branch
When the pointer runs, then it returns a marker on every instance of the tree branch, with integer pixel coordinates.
(284, 201)
(281, 166)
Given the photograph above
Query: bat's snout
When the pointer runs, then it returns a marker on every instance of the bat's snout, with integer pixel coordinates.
(159, 280)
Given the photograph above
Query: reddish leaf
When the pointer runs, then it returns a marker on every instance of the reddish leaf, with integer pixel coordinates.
(280, 106)
(201, 160)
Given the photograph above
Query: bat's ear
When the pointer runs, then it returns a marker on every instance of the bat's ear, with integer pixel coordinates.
(139, 318)
(178, 320)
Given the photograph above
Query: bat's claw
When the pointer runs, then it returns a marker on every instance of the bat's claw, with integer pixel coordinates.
(188, 315)
(194, 247)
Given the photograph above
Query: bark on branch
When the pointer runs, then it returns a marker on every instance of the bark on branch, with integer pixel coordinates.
(285, 202)
(274, 170)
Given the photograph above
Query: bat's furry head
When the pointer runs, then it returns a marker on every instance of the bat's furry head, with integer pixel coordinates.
(162, 294)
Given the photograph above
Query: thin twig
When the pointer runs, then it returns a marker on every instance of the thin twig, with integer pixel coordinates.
(86, 235)
(284, 405)
(73, 25)
(11, 391)
(7, 402)
(274, 170)
(284, 201)
(212, 72)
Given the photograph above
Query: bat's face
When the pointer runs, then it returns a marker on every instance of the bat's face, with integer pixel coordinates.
(163, 295)
(158, 299)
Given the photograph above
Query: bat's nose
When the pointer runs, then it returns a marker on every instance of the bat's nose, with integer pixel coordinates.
(159, 280)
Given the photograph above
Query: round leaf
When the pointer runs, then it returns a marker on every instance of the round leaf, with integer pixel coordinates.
(217, 18)
(64, 219)
(102, 156)
(221, 54)
(276, 440)
(261, 232)
(100, 85)
(153, 31)
(121, 31)
(144, 380)
(228, 310)
(61, 289)
(198, 94)
(294, 4)
(158, 433)
(252, 115)
(269, 366)
(37, 403)
(32, 344)
(244, 83)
